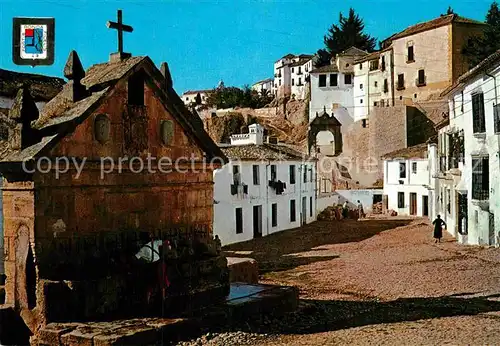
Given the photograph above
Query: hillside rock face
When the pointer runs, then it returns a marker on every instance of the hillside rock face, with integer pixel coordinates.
(287, 121)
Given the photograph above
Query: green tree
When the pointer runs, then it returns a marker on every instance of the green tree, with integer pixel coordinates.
(347, 33)
(478, 48)
(230, 97)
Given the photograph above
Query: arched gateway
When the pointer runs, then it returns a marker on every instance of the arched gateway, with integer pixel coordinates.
(325, 122)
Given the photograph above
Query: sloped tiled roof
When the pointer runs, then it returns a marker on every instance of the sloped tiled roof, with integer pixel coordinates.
(417, 151)
(105, 73)
(61, 115)
(326, 68)
(432, 24)
(42, 88)
(353, 51)
(367, 57)
(254, 152)
(491, 61)
(264, 81)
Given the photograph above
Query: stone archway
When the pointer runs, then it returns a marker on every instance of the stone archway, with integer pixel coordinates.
(25, 272)
(325, 122)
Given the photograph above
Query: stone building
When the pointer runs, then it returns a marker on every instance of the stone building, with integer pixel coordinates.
(265, 188)
(71, 229)
(41, 89)
(414, 65)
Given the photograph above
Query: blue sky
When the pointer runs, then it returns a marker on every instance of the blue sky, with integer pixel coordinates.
(206, 41)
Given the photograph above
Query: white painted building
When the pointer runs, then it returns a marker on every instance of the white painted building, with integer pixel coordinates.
(189, 97)
(264, 189)
(332, 87)
(475, 115)
(372, 83)
(266, 84)
(406, 181)
(291, 75)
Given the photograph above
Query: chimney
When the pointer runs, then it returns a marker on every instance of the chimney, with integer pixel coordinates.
(74, 72)
(165, 71)
(23, 112)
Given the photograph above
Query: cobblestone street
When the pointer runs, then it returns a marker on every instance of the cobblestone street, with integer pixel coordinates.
(376, 282)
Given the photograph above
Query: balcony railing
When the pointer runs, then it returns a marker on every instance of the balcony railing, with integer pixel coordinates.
(480, 195)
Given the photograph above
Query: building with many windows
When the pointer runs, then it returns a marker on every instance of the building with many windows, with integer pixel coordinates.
(291, 75)
(470, 150)
(413, 65)
(265, 188)
(406, 181)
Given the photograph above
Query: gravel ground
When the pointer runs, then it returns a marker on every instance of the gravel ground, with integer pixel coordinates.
(374, 282)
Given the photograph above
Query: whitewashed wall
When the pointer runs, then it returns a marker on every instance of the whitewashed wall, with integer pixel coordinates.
(412, 183)
(225, 203)
(480, 231)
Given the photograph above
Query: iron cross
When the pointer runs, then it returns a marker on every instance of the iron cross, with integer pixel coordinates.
(120, 27)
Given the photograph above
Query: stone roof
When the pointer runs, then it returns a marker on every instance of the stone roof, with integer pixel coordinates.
(326, 68)
(267, 152)
(432, 24)
(61, 115)
(42, 88)
(102, 74)
(418, 151)
(491, 61)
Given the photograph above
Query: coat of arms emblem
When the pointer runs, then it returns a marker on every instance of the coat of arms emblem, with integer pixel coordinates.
(33, 41)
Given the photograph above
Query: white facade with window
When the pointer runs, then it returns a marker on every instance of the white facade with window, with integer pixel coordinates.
(266, 84)
(265, 188)
(472, 103)
(291, 75)
(189, 97)
(406, 181)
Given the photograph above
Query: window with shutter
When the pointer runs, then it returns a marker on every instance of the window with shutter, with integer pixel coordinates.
(478, 121)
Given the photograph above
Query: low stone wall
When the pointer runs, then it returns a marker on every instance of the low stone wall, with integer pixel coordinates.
(243, 270)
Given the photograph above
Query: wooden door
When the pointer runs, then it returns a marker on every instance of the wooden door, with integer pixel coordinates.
(413, 203)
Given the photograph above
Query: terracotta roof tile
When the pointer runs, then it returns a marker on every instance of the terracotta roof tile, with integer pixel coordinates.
(253, 152)
(432, 24)
(416, 151)
(326, 68)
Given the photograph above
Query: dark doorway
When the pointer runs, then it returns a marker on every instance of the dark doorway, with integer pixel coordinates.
(462, 213)
(413, 203)
(425, 205)
(377, 199)
(257, 221)
(304, 211)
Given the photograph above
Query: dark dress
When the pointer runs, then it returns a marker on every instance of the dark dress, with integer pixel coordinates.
(438, 228)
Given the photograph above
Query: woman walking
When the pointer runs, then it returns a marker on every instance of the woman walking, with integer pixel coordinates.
(438, 228)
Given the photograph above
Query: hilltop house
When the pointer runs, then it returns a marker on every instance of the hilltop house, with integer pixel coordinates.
(414, 64)
(265, 188)
(190, 96)
(291, 74)
(266, 84)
